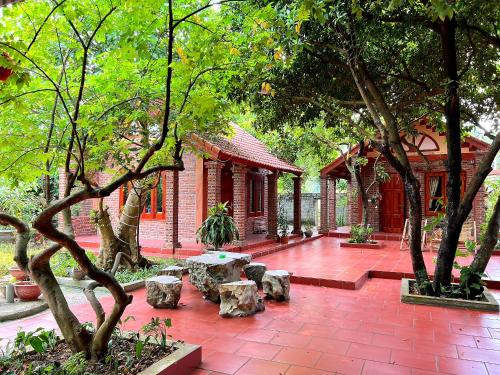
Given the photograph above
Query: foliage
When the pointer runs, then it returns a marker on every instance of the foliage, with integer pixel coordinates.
(125, 275)
(23, 200)
(157, 329)
(360, 234)
(308, 224)
(282, 222)
(7, 257)
(62, 263)
(218, 228)
(76, 364)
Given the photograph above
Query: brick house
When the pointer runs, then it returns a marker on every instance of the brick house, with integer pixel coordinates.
(388, 205)
(238, 169)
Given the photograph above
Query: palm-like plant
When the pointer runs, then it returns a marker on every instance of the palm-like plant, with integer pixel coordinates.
(219, 228)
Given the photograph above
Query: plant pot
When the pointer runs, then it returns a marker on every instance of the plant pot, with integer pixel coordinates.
(27, 291)
(18, 273)
(284, 239)
(78, 274)
(308, 233)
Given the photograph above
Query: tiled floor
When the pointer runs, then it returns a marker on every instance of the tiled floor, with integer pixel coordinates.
(325, 330)
(325, 260)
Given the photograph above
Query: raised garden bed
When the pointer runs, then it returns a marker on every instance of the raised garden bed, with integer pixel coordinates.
(365, 245)
(486, 303)
(178, 358)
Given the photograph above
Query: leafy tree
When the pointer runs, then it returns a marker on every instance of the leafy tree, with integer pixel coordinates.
(375, 67)
(113, 85)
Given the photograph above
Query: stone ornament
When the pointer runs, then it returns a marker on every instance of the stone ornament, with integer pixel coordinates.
(175, 271)
(163, 291)
(239, 299)
(255, 271)
(276, 285)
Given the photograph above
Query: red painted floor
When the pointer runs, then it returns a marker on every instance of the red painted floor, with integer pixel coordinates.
(324, 331)
(325, 260)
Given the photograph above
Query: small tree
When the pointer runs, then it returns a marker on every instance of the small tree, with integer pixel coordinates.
(86, 72)
(218, 228)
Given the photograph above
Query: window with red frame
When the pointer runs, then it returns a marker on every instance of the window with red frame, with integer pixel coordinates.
(255, 194)
(155, 202)
(435, 191)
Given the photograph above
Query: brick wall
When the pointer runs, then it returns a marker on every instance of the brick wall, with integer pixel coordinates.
(420, 168)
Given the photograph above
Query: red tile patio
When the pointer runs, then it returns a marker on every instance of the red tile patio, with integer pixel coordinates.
(324, 262)
(325, 330)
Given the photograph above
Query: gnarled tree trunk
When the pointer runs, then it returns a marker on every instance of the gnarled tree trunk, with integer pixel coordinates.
(125, 238)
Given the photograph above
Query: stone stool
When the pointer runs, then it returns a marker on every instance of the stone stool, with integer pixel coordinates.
(276, 285)
(239, 298)
(255, 271)
(172, 271)
(163, 291)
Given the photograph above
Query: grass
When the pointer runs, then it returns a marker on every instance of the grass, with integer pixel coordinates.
(62, 263)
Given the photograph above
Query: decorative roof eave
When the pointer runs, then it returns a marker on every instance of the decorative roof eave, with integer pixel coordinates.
(216, 153)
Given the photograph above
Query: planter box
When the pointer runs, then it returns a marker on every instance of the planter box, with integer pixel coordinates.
(488, 302)
(376, 245)
(128, 287)
(181, 362)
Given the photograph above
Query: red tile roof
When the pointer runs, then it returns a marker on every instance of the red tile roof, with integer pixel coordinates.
(243, 148)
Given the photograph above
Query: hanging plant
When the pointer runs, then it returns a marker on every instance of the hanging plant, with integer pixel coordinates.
(5, 72)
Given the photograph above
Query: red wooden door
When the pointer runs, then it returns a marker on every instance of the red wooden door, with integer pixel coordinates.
(392, 205)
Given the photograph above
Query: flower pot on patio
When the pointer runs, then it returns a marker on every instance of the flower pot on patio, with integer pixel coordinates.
(78, 274)
(18, 273)
(308, 233)
(283, 239)
(27, 290)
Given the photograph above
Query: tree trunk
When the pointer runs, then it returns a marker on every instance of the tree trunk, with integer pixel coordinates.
(490, 239)
(124, 239)
(451, 232)
(364, 196)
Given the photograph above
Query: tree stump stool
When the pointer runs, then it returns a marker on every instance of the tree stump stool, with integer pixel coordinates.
(255, 271)
(175, 271)
(239, 298)
(163, 291)
(276, 284)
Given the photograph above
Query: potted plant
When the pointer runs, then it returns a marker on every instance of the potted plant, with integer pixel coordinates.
(17, 273)
(308, 228)
(282, 226)
(27, 290)
(77, 273)
(360, 234)
(218, 229)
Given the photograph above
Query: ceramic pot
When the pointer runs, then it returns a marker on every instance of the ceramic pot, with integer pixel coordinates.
(18, 273)
(27, 291)
(78, 274)
(308, 233)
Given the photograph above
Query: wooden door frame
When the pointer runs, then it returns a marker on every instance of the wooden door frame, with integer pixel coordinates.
(404, 203)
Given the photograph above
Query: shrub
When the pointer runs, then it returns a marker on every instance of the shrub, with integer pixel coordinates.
(360, 234)
(219, 228)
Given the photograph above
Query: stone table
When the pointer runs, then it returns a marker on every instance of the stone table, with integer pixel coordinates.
(163, 291)
(208, 271)
(241, 259)
(240, 298)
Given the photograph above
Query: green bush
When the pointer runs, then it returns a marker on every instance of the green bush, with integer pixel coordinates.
(359, 234)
